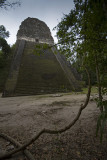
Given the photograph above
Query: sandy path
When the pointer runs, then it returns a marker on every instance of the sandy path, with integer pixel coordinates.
(41, 111)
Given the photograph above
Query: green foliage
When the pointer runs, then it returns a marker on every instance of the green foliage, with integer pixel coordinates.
(2, 60)
(82, 36)
(6, 4)
(102, 118)
(40, 49)
(5, 61)
(4, 47)
(3, 43)
(93, 90)
(4, 69)
(2, 3)
(81, 71)
(3, 32)
(83, 33)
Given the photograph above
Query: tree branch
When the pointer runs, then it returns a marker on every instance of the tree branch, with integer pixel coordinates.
(83, 106)
(17, 144)
(7, 4)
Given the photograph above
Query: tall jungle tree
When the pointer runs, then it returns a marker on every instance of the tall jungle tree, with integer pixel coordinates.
(82, 37)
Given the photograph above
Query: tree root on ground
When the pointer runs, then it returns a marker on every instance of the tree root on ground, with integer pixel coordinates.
(17, 144)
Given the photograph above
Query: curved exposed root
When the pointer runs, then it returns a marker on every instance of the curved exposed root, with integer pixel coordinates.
(17, 144)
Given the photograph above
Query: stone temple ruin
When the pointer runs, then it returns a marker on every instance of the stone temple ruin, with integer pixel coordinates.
(31, 73)
(36, 31)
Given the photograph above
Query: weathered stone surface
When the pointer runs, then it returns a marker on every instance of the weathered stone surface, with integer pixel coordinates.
(40, 74)
(32, 29)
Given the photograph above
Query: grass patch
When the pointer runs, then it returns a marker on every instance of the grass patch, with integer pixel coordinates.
(93, 90)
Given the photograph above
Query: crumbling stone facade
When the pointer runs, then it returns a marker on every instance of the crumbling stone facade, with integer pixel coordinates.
(34, 30)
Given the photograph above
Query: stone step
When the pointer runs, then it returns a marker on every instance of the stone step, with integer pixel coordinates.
(34, 91)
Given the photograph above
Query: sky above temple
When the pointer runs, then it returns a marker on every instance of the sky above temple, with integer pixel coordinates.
(49, 11)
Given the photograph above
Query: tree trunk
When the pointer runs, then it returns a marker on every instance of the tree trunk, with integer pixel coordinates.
(99, 86)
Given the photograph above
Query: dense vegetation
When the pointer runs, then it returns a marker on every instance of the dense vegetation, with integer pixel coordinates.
(6, 4)
(5, 56)
(5, 50)
(82, 37)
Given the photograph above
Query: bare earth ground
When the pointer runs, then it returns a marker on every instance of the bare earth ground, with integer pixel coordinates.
(23, 117)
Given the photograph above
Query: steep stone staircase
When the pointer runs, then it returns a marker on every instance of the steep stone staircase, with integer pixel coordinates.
(66, 66)
(40, 74)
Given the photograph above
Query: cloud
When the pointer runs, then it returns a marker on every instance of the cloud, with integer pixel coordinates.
(49, 11)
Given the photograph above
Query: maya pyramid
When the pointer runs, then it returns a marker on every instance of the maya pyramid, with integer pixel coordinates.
(32, 74)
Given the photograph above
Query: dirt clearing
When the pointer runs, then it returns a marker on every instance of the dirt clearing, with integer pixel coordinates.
(23, 117)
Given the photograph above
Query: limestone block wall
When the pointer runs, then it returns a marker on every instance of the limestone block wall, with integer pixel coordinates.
(36, 40)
